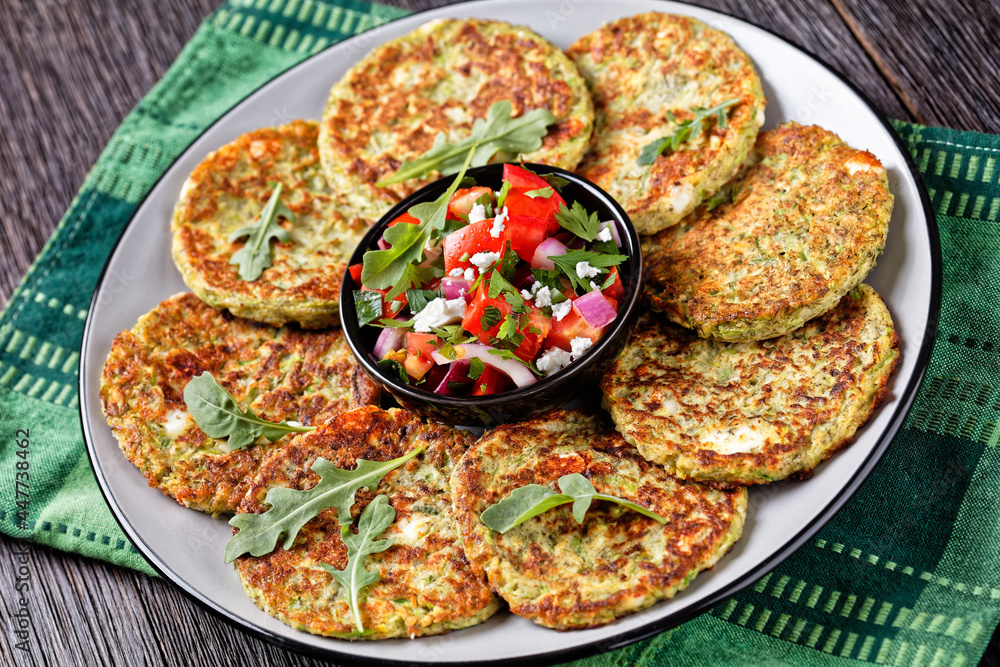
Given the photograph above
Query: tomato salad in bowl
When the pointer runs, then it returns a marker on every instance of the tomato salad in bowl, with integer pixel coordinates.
(490, 291)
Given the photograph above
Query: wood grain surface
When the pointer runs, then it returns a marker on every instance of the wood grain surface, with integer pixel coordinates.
(69, 72)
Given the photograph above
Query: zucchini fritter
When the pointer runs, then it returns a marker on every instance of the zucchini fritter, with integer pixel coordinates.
(228, 190)
(425, 584)
(641, 70)
(802, 225)
(307, 377)
(441, 78)
(756, 412)
(564, 575)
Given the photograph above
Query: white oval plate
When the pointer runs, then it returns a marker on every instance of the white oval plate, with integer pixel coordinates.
(187, 546)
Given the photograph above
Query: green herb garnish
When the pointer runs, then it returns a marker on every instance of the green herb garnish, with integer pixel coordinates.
(386, 268)
(476, 368)
(543, 193)
(497, 132)
(292, 508)
(219, 415)
(529, 501)
(255, 255)
(598, 260)
(367, 305)
(419, 298)
(577, 220)
(375, 518)
(686, 130)
(490, 318)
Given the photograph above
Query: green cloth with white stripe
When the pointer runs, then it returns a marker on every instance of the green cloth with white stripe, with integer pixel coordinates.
(908, 572)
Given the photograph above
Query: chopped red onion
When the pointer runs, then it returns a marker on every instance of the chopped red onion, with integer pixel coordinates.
(458, 371)
(547, 248)
(595, 309)
(515, 370)
(390, 339)
(454, 287)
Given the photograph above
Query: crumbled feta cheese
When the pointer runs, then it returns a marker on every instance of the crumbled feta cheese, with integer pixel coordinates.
(477, 214)
(585, 270)
(561, 310)
(498, 223)
(594, 287)
(605, 233)
(553, 360)
(543, 296)
(526, 295)
(580, 345)
(484, 260)
(457, 272)
(439, 312)
(470, 274)
(175, 424)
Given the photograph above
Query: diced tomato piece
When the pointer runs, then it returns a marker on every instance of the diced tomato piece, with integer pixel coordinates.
(470, 240)
(421, 345)
(571, 326)
(417, 367)
(477, 308)
(491, 381)
(406, 217)
(533, 207)
(532, 343)
(355, 271)
(526, 181)
(616, 290)
(525, 235)
(462, 201)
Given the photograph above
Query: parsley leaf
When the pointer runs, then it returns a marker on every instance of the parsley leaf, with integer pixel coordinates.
(368, 305)
(508, 330)
(386, 268)
(497, 132)
(419, 298)
(531, 500)
(291, 508)
(375, 518)
(476, 368)
(389, 364)
(567, 263)
(577, 220)
(491, 317)
(217, 413)
(255, 255)
(686, 130)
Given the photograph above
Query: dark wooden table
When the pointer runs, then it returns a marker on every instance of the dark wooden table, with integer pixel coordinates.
(69, 72)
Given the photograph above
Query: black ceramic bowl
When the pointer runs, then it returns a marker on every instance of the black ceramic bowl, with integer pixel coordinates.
(577, 380)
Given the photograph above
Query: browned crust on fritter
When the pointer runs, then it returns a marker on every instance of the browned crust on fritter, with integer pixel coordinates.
(616, 60)
(806, 392)
(800, 232)
(487, 60)
(622, 561)
(309, 377)
(303, 283)
(425, 587)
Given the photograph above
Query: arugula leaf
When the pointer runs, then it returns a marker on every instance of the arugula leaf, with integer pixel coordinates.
(412, 275)
(368, 306)
(686, 130)
(567, 263)
(385, 268)
(497, 132)
(531, 500)
(577, 220)
(396, 324)
(375, 518)
(291, 508)
(543, 193)
(219, 415)
(255, 255)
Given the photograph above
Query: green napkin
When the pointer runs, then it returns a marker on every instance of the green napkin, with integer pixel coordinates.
(908, 572)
